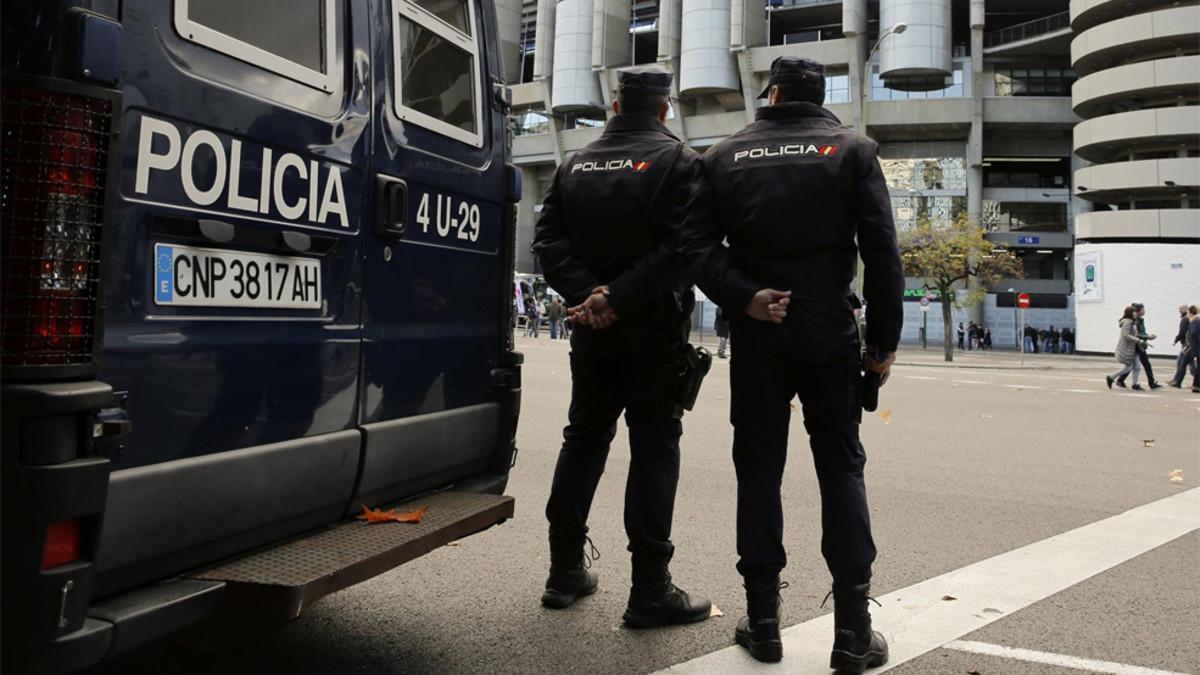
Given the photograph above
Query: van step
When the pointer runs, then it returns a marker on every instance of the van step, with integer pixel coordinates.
(279, 583)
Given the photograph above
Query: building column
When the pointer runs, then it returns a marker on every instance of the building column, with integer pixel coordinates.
(854, 27)
(975, 138)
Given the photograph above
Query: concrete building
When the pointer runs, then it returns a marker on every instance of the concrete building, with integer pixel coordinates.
(971, 105)
(1139, 92)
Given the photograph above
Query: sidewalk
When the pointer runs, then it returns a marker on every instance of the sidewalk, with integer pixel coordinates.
(913, 355)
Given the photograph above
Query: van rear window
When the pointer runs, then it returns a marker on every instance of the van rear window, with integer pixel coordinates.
(291, 37)
(437, 78)
(437, 69)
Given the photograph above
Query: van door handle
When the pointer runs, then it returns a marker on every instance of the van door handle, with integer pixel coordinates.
(391, 207)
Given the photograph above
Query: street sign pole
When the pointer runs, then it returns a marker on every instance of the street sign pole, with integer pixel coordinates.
(1023, 301)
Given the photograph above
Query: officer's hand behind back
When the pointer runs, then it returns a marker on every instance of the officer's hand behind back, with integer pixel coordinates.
(769, 305)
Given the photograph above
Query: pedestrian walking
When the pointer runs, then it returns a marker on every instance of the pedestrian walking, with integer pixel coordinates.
(605, 240)
(961, 335)
(721, 325)
(1126, 351)
(1142, 345)
(796, 333)
(1030, 339)
(1068, 340)
(1188, 355)
(533, 317)
(987, 339)
(1194, 347)
(1183, 360)
(555, 313)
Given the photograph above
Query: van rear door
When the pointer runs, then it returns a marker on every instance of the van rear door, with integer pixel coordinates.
(437, 274)
(233, 278)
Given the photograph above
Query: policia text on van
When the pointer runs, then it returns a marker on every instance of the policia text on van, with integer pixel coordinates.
(257, 270)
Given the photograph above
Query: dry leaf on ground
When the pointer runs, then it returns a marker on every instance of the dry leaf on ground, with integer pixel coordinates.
(1176, 476)
(947, 598)
(380, 516)
(1148, 442)
(886, 416)
(716, 611)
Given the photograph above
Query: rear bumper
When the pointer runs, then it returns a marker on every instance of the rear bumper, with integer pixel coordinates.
(241, 602)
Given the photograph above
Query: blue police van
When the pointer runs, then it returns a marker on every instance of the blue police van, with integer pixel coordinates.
(257, 275)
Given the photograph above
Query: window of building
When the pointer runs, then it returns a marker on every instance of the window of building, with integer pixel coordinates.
(1024, 216)
(643, 31)
(837, 88)
(293, 38)
(909, 211)
(1034, 81)
(908, 88)
(530, 122)
(1026, 172)
(928, 173)
(437, 67)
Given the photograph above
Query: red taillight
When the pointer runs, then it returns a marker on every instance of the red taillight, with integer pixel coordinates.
(62, 544)
(51, 210)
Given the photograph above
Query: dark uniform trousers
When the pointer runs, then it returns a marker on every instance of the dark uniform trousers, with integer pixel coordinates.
(603, 384)
(762, 385)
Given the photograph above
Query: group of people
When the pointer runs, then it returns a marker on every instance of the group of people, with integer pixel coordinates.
(974, 337)
(1049, 340)
(769, 224)
(556, 315)
(1133, 343)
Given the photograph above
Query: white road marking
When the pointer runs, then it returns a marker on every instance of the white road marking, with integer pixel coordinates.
(921, 377)
(1080, 391)
(1021, 386)
(972, 382)
(916, 620)
(1049, 658)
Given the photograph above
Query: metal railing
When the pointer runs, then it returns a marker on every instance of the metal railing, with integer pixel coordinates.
(1027, 30)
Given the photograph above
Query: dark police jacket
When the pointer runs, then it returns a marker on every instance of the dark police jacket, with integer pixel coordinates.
(598, 228)
(794, 195)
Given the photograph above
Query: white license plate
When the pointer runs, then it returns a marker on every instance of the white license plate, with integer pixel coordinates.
(207, 277)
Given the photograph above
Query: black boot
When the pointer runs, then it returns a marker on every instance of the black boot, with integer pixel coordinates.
(570, 579)
(655, 601)
(856, 646)
(758, 631)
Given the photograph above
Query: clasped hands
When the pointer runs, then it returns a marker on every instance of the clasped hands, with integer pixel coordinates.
(595, 312)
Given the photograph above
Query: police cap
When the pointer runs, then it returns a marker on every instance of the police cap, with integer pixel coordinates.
(652, 80)
(795, 70)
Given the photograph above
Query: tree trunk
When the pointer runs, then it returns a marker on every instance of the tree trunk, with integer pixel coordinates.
(947, 329)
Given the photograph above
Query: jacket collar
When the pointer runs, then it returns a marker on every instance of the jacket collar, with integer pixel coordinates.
(627, 122)
(796, 110)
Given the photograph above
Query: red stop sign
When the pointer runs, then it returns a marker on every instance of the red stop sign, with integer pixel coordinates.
(1023, 301)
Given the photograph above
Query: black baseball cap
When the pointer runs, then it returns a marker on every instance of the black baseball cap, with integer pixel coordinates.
(645, 80)
(795, 70)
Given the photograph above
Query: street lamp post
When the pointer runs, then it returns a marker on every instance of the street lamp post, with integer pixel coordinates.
(1016, 328)
(864, 77)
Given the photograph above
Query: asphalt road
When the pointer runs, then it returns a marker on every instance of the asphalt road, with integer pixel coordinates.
(970, 463)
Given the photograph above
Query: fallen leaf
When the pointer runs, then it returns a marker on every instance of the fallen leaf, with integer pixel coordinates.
(947, 598)
(716, 611)
(380, 516)
(991, 610)
(1176, 476)
(1148, 442)
(452, 543)
(886, 416)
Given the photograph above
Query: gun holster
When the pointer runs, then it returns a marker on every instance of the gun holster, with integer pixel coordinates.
(690, 366)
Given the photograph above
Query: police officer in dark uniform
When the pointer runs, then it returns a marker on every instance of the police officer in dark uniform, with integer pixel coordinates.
(795, 195)
(607, 240)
